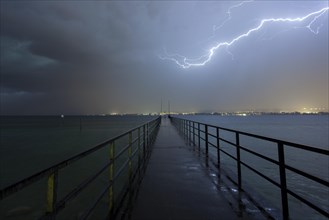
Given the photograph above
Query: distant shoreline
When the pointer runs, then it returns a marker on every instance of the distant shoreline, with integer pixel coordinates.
(260, 113)
(242, 113)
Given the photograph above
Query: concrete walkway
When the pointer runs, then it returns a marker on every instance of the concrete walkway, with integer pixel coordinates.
(176, 186)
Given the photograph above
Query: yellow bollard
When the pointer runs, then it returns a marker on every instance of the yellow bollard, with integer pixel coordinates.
(51, 192)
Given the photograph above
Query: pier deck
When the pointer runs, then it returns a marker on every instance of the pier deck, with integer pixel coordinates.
(176, 186)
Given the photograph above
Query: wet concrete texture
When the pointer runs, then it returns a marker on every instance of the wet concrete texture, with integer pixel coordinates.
(175, 185)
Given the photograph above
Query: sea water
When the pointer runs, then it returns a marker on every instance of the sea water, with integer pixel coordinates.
(311, 130)
(29, 144)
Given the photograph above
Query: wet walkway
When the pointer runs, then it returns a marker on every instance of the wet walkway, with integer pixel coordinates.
(176, 186)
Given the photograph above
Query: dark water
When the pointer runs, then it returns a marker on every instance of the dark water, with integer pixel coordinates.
(31, 144)
(309, 130)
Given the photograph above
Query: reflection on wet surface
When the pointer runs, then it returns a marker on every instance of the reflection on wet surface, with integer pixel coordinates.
(180, 184)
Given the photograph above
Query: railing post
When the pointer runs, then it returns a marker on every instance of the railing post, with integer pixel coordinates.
(129, 155)
(147, 138)
(151, 133)
(185, 130)
(154, 132)
(193, 133)
(206, 138)
(189, 131)
(185, 127)
(144, 143)
(283, 182)
(130, 170)
(111, 192)
(218, 147)
(52, 184)
(179, 125)
(139, 148)
(237, 142)
(199, 138)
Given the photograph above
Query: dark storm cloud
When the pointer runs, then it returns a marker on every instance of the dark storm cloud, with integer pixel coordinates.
(98, 57)
(72, 52)
(71, 39)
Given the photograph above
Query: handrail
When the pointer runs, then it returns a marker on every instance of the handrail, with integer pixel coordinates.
(187, 128)
(144, 140)
(301, 146)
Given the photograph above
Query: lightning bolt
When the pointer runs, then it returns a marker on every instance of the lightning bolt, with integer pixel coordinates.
(186, 63)
(229, 17)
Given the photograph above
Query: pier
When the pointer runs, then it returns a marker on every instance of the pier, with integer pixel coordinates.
(176, 184)
(171, 168)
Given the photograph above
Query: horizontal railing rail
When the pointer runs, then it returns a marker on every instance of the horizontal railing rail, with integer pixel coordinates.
(196, 130)
(146, 134)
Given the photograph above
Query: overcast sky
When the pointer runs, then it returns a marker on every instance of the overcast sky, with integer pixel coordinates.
(98, 57)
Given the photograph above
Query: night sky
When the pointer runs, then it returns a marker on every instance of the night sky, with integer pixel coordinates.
(100, 57)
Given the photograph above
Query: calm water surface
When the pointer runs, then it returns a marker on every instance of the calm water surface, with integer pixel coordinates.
(30, 143)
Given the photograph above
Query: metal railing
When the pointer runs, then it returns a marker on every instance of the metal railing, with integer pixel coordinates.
(195, 130)
(142, 136)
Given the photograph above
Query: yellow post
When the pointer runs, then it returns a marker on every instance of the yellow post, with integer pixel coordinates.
(111, 194)
(51, 192)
